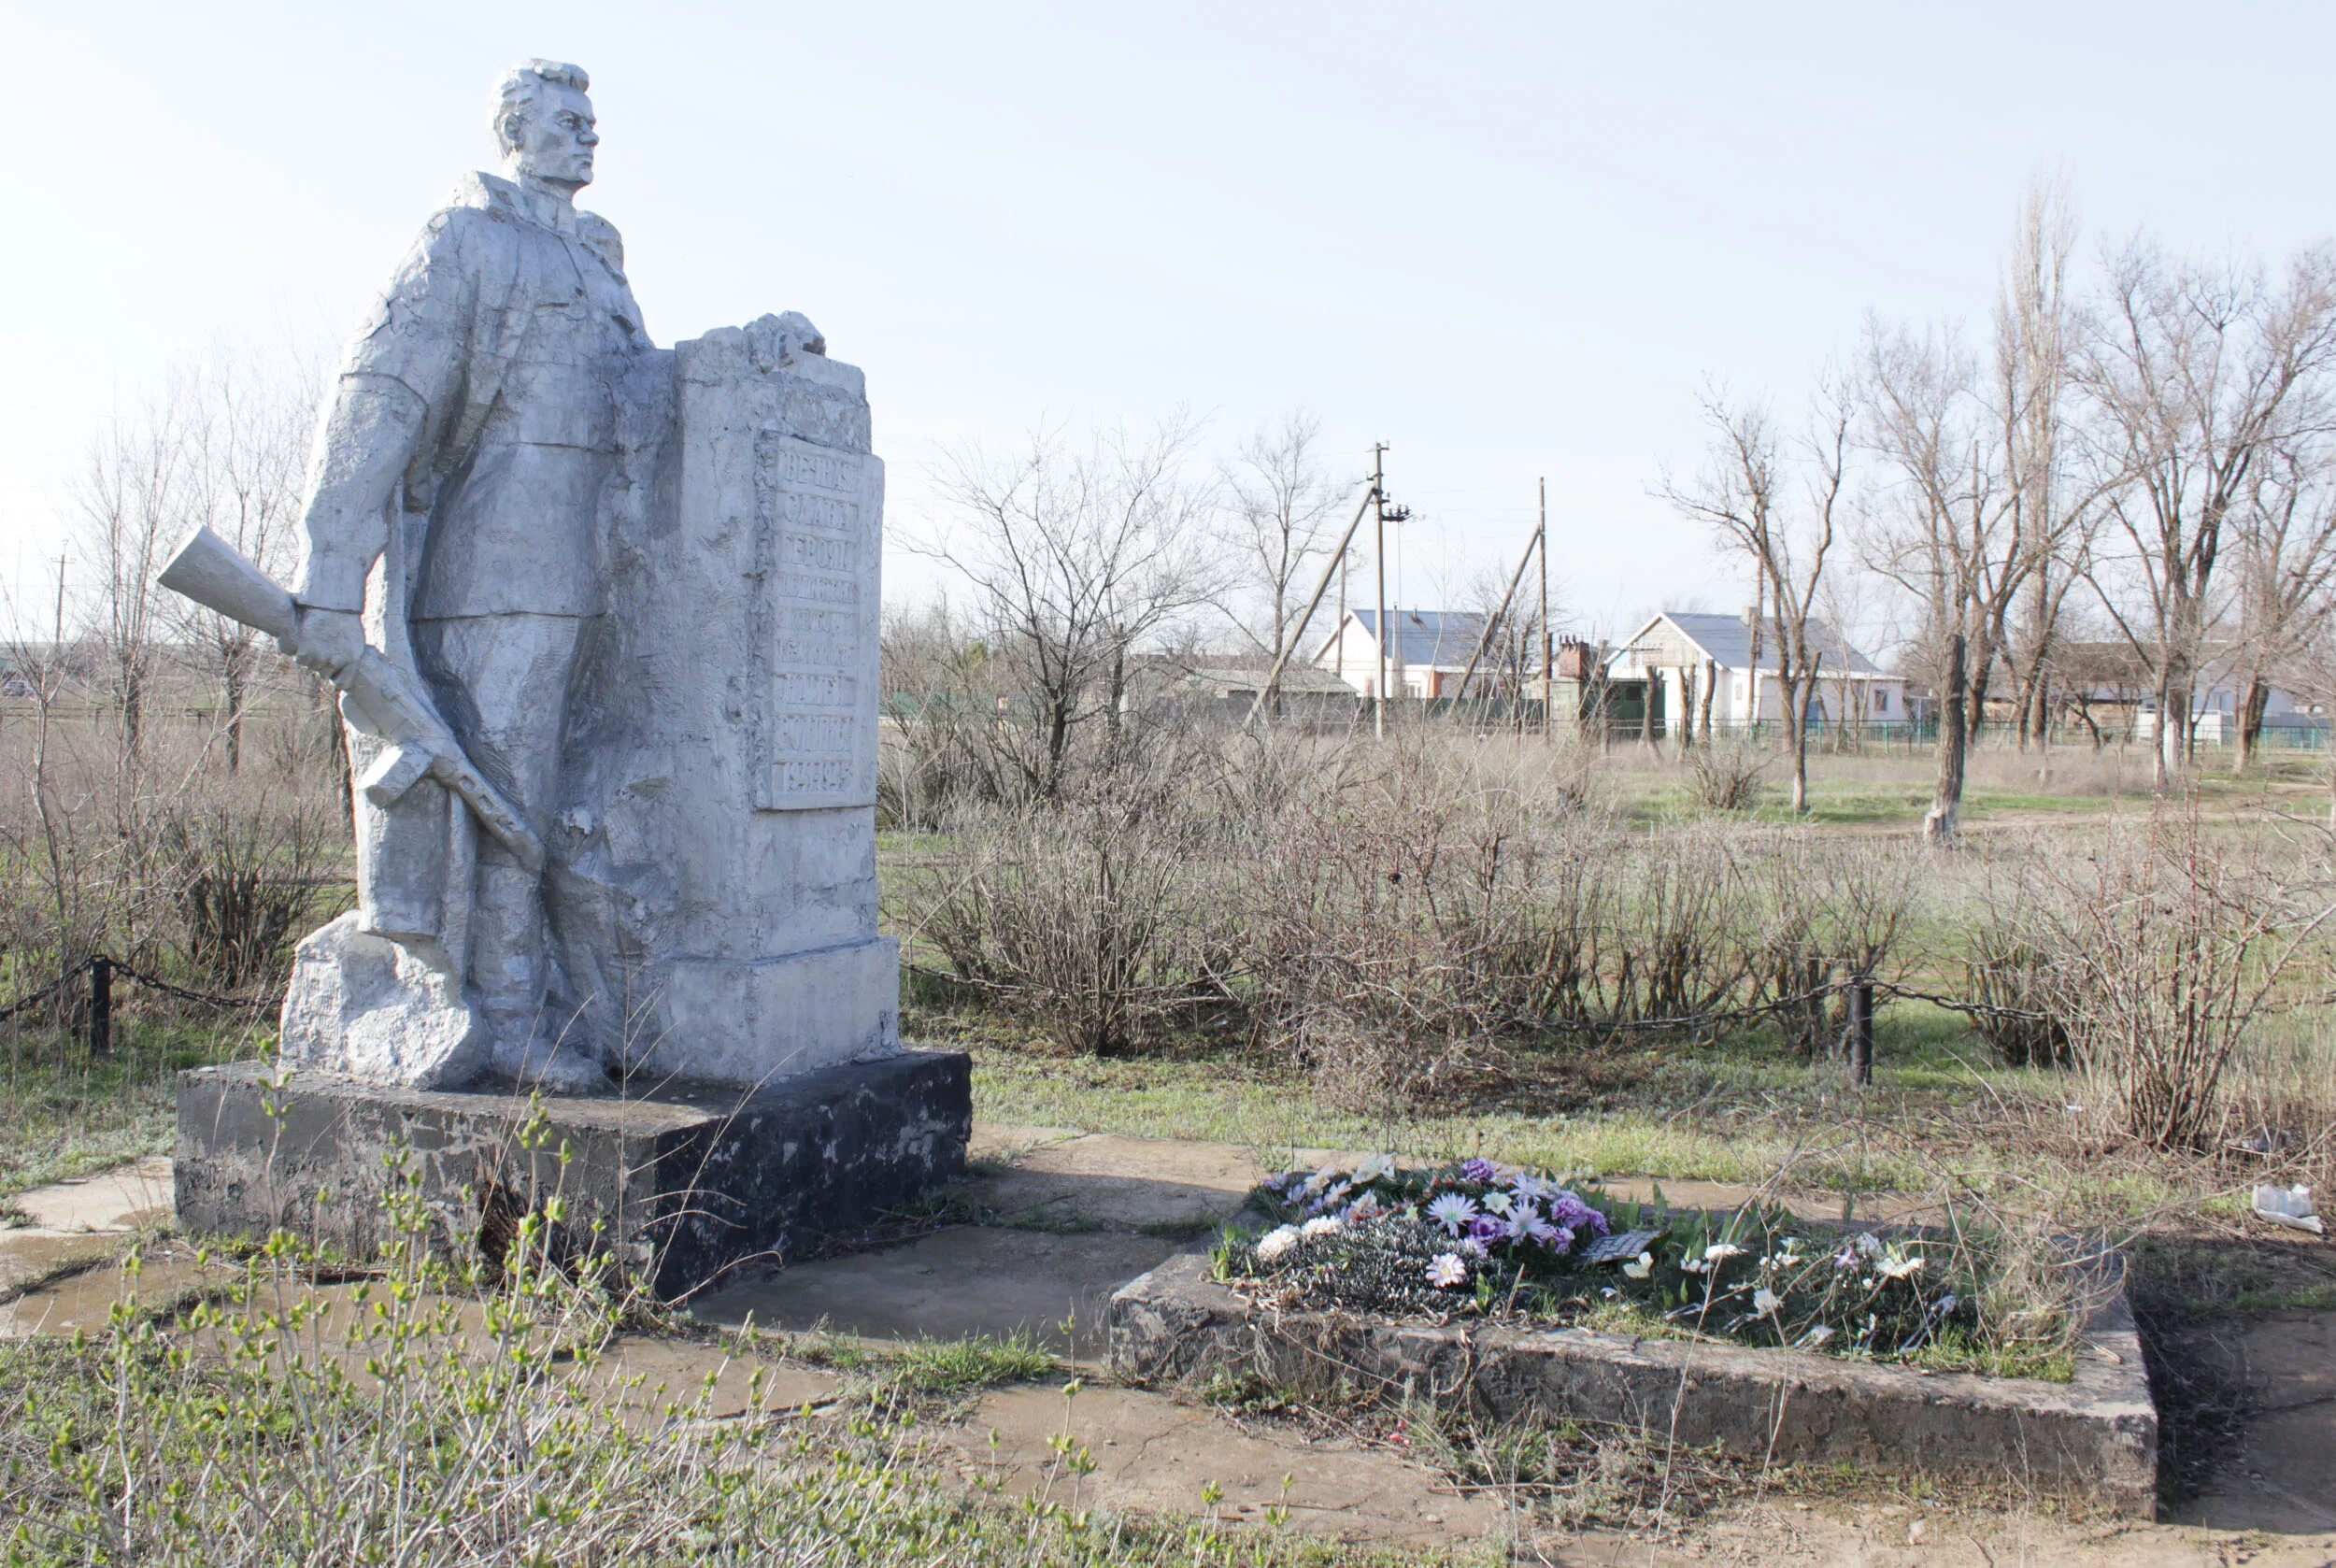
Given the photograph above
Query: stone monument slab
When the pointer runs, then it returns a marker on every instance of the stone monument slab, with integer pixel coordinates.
(603, 619)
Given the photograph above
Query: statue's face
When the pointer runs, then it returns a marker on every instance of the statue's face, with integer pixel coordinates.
(556, 141)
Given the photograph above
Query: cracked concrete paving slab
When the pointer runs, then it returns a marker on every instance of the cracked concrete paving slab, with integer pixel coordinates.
(2281, 1473)
(73, 1225)
(1154, 1455)
(953, 1283)
(120, 1198)
(1099, 1180)
(85, 1299)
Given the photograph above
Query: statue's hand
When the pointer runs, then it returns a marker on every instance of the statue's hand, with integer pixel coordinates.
(775, 340)
(328, 641)
(800, 336)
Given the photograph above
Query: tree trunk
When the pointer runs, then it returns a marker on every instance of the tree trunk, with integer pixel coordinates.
(1686, 710)
(1711, 682)
(1946, 801)
(2258, 698)
(1795, 694)
(231, 682)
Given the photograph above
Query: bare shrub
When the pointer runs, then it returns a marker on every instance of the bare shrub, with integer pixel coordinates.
(1089, 917)
(244, 878)
(2165, 950)
(2007, 969)
(1725, 775)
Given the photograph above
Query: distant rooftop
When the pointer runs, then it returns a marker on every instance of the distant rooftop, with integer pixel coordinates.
(1727, 641)
(1430, 640)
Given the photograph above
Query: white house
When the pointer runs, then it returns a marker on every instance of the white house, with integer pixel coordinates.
(2215, 701)
(1430, 649)
(1680, 652)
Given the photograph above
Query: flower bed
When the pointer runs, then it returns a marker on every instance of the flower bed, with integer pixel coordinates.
(1482, 1240)
(1694, 1328)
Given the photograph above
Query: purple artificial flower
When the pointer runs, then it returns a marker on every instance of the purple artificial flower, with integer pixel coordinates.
(1560, 1238)
(1569, 1210)
(1480, 1169)
(1485, 1229)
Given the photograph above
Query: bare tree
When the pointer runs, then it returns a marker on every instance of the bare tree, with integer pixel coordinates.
(2287, 544)
(2055, 501)
(1280, 520)
(2198, 375)
(1781, 502)
(131, 498)
(244, 431)
(1076, 558)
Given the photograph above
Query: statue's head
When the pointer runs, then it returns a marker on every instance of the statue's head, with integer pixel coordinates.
(544, 125)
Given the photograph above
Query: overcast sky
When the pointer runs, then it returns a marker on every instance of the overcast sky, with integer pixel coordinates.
(1508, 240)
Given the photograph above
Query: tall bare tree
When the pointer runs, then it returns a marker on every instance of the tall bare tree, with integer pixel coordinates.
(1076, 556)
(2198, 375)
(1279, 522)
(2286, 537)
(1781, 501)
(2054, 500)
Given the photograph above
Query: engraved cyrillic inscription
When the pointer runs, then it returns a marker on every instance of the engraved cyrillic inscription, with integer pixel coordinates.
(817, 633)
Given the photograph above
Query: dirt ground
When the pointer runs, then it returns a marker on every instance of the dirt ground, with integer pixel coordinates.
(1054, 1220)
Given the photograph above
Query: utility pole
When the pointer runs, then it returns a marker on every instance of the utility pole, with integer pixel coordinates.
(1548, 654)
(1379, 563)
(1389, 659)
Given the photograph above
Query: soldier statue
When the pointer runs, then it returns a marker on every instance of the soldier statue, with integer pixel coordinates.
(453, 527)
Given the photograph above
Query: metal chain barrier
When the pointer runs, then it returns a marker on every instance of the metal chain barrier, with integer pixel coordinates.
(35, 998)
(102, 968)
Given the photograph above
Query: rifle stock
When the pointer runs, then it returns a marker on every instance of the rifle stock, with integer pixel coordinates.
(390, 702)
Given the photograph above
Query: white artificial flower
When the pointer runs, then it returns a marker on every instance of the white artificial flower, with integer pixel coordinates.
(1869, 1244)
(1610, 1292)
(1765, 1301)
(1694, 1266)
(1453, 1211)
(1276, 1241)
(1721, 1251)
(1321, 1225)
(1496, 1201)
(1321, 1178)
(1447, 1271)
(1900, 1268)
(1815, 1337)
(1642, 1268)
(1377, 1168)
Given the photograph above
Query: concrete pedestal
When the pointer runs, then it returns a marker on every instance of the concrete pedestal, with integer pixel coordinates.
(691, 1183)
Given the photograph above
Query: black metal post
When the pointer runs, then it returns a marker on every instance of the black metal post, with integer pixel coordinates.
(1861, 1030)
(101, 1005)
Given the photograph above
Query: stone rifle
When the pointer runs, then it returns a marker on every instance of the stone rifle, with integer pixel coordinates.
(386, 700)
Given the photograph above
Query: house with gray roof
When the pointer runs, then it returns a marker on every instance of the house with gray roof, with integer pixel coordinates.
(1430, 651)
(1680, 654)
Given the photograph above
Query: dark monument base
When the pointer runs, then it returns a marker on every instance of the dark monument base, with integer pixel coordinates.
(690, 1183)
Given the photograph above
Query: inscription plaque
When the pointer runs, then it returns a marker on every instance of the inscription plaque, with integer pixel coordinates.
(816, 636)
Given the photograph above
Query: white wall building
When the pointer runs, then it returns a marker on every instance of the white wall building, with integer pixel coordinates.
(1430, 650)
(1684, 649)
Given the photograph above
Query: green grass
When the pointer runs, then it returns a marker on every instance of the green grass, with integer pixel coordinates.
(958, 1366)
(64, 1113)
(1743, 1111)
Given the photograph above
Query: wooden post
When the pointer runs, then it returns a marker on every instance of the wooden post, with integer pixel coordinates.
(101, 1005)
(1861, 1030)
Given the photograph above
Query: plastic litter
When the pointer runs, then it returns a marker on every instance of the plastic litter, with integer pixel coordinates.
(2290, 1206)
